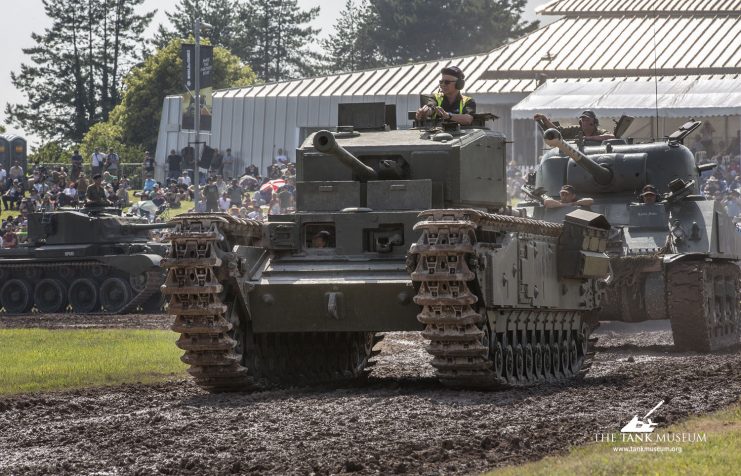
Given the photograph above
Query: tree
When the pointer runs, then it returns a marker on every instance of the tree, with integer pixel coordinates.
(276, 39)
(419, 30)
(348, 49)
(74, 73)
(222, 15)
(160, 75)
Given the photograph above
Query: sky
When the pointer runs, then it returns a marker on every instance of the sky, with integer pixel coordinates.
(28, 16)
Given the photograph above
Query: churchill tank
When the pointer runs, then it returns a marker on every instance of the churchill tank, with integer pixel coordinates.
(90, 260)
(395, 230)
(674, 259)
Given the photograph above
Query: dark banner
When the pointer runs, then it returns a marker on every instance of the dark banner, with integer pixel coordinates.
(188, 54)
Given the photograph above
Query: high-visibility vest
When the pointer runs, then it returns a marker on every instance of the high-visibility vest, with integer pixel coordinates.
(439, 97)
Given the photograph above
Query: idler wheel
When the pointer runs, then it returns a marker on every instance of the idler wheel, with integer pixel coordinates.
(50, 296)
(16, 296)
(114, 294)
(509, 364)
(83, 295)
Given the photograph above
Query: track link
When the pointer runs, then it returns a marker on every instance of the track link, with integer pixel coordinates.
(202, 283)
(525, 346)
(704, 305)
(197, 265)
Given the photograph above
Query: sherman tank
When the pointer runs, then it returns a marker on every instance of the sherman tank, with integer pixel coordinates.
(674, 259)
(86, 261)
(397, 230)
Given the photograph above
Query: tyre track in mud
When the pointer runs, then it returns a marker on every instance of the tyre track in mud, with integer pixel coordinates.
(399, 421)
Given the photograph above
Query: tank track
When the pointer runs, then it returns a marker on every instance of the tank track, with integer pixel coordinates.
(531, 346)
(223, 353)
(65, 272)
(703, 304)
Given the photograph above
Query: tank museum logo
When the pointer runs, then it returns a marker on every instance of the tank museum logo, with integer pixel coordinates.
(642, 430)
(642, 425)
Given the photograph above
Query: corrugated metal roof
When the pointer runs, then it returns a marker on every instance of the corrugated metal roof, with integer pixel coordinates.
(638, 97)
(568, 48)
(628, 46)
(621, 7)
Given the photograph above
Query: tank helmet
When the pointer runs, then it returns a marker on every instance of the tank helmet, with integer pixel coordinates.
(455, 71)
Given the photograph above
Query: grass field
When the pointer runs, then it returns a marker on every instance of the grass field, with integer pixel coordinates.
(41, 359)
(719, 454)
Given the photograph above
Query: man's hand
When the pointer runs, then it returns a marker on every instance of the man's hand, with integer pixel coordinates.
(539, 117)
(423, 112)
(442, 113)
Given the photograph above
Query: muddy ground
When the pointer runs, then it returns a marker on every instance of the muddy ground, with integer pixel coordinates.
(399, 421)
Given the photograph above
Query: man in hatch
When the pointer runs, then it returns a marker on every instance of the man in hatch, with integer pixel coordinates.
(451, 105)
(567, 199)
(587, 130)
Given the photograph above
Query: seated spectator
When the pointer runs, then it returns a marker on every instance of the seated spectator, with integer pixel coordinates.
(10, 238)
(149, 184)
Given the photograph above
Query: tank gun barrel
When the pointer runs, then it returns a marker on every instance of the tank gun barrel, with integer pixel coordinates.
(602, 175)
(147, 226)
(325, 142)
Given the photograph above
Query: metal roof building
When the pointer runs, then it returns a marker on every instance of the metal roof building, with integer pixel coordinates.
(595, 41)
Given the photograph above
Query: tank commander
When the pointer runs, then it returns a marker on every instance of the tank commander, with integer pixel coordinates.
(451, 105)
(649, 195)
(587, 130)
(95, 196)
(567, 199)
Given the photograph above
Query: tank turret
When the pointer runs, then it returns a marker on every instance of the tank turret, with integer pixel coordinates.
(601, 174)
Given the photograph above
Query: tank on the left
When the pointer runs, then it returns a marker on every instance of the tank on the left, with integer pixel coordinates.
(83, 261)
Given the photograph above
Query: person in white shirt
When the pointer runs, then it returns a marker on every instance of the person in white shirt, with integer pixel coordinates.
(3, 176)
(97, 160)
(224, 202)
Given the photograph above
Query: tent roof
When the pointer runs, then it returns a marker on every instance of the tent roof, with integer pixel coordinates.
(698, 96)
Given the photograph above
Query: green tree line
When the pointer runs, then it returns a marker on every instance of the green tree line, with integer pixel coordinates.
(90, 80)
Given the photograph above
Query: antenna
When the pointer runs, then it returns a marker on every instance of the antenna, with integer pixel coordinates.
(656, 76)
(653, 409)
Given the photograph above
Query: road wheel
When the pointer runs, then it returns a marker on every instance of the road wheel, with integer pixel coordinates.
(83, 295)
(16, 296)
(114, 294)
(50, 296)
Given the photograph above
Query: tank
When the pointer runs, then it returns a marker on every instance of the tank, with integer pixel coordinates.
(84, 261)
(675, 259)
(398, 230)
